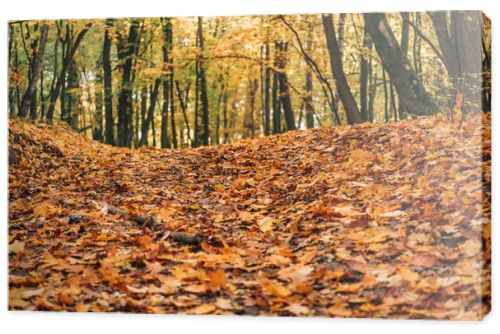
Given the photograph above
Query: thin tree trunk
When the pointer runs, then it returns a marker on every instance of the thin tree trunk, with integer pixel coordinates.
(68, 59)
(108, 83)
(266, 97)
(364, 74)
(285, 99)
(405, 34)
(275, 96)
(183, 108)
(345, 94)
(203, 85)
(166, 83)
(150, 115)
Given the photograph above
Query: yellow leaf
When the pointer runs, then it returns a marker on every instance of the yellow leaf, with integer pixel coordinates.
(266, 224)
(45, 209)
(368, 307)
(408, 274)
(219, 188)
(17, 247)
(275, 289)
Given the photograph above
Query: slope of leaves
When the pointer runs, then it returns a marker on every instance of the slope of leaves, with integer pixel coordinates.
(364, 221)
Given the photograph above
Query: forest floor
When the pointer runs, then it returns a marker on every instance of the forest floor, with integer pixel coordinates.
(372, 220)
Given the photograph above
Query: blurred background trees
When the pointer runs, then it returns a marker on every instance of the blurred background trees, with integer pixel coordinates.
(187, 82)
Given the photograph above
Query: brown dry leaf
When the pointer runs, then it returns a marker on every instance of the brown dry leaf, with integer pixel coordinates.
(217, 279)
(66, 298)
(298, 309)
(339, 310)
(426, 261)
(392, 214)
(17, 247)
(224, 304)
(203, 309)
(195, 288)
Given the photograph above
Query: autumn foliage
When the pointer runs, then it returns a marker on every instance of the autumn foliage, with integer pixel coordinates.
(371, 220)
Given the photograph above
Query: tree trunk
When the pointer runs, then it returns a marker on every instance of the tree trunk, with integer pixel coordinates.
(405, 34)
(73, 98)
(364, 73)
(166, 83)
(36, 65)
(68, 59)
(203, 85)
(410, 90)
(150, 116)
(309, 83)
(266, 97)
(125, 54)
(345, 94)
(284, 90)
(108, 84)
(275, 96)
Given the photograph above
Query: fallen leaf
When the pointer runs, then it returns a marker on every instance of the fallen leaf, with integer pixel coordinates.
(203, 309)
(217, 279)
(266, 224)
(17, 247)
(298, 309)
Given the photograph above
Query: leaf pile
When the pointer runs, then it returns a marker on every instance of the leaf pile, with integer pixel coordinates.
(364, 221)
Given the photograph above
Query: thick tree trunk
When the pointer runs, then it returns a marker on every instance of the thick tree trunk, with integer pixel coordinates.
(36, 65)
(410, 90)
(125, 54)
(344, 91)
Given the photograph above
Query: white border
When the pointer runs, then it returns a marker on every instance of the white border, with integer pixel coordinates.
(46, 322)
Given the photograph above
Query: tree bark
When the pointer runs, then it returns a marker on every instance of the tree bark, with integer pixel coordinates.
(36, 66)
(411, 92)
(108, 83)
(284, 90)
(266, 97)
(150, 115)
(68, 59)
(364, 73)
(166, 83)
(345, 94)
(203, 85)
(125, 54)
